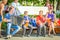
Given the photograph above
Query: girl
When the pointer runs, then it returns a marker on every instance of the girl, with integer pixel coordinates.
(50, 20)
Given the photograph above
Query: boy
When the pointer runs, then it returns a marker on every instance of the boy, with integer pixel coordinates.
(9, 23)
(40, 21)
(26, 24)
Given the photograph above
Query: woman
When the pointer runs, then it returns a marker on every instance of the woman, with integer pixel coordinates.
(50, 20)
(2, 4)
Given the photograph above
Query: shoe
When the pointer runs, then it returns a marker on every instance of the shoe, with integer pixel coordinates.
(28, 35)
(44, 35)
(23, 36)
(9, 36)
(55, 34)
(1, 36)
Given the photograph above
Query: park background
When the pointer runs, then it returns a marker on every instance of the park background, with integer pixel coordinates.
(39, 3)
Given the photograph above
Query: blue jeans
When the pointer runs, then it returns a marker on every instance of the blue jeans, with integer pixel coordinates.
(0, 18)
(9, 26)
(41, 28)
(24, 29)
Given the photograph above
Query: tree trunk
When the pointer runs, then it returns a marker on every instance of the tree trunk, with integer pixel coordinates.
(58, 5)
(55, 5)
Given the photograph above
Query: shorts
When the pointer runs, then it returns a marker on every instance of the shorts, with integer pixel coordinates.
(0, 18)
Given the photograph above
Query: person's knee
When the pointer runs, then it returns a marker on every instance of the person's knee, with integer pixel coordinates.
(18, 27)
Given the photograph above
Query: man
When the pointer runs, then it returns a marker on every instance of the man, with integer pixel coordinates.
(9, 23)
(16, 12)
(40, 21)
(16, 4)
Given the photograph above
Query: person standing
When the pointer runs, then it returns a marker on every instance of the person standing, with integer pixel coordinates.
(16, 4)
(2, 4)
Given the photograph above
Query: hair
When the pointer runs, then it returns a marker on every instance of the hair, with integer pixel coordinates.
(25, 12)
(41, 11)
(8, 9)
(4, 0)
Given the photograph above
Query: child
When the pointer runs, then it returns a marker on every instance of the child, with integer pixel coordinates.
(26, 24)
(9, 23)
(40, 21)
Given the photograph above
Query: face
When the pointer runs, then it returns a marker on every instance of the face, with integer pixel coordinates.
(12, 10)
(26, 13)
(4, 1)
(16, 0)
(41, 13)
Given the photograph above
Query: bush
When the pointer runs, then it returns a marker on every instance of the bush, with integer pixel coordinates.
(58, 15)
(4, 25)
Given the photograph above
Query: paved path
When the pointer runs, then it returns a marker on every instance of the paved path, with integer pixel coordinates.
(34, 38)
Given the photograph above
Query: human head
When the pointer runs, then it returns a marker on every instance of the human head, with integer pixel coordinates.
(4, 2)
(26, 13)
(11, 9)
(16, 1)
(40, 12)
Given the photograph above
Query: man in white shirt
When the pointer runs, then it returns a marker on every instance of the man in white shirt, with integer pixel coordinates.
(16, 4)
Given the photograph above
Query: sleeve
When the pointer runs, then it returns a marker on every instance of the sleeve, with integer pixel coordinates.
(6, 16)
(37, 18)
(25, 18)
(18, 4)
(13, 4)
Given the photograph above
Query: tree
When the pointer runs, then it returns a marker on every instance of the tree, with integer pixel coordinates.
(58, 5)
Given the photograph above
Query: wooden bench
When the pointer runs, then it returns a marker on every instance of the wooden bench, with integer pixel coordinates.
(57, 29)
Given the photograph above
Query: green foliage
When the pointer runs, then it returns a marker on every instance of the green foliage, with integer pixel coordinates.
(58, 15)
(4, 25)
(29, 2)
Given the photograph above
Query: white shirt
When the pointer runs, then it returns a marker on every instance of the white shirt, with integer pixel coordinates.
(15, 4)
(16, 11)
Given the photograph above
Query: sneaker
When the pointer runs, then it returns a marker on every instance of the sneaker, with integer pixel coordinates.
(28, 35)
(1, 36)
(55, 34)
(23, 36)
(9, 36)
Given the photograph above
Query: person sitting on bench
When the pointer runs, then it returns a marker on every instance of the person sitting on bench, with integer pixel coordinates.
(40, 21)
(26, 24)
(9, 23)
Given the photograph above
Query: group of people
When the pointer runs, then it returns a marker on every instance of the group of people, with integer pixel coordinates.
(39, 22)
(7, 17)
